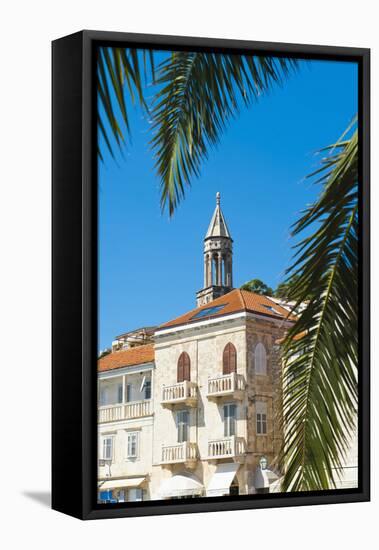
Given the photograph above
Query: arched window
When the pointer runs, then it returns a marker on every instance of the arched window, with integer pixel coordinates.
(229, 359)
(260, 359)
(184, 367)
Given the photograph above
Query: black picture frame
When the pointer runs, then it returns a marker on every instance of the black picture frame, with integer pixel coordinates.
(74, 272)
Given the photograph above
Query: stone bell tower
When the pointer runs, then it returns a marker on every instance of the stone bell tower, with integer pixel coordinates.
(218, 259)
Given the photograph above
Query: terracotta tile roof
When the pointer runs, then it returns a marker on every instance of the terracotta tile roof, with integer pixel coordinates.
(127, 358)
(233, 302)
(297, 337)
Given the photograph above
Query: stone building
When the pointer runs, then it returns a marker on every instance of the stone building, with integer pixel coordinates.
(196, 412)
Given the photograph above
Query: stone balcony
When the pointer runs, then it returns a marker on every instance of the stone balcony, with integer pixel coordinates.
(228, 447)
(125, 411)
(182, 393)
(181, 453)
(228, 385)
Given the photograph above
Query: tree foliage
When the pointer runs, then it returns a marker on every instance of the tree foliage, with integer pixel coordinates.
(257, 286)
(120, 75)
(321, 349)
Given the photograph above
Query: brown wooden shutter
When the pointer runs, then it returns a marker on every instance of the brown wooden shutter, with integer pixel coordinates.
(229, 359)
(184, 367)
(187, 367)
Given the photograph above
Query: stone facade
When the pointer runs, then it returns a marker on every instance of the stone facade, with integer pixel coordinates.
(161, 453)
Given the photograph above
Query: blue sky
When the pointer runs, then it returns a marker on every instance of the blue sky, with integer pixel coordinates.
(150, 266)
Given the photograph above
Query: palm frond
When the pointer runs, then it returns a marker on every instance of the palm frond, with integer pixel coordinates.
(120, 72)
(320, 367)
(198, 94)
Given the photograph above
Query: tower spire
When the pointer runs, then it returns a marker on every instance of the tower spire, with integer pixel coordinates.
(218, 226)
(218, 258)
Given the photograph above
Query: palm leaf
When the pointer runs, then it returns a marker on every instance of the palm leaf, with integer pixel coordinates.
(120, 75)
(320, 367)
(198, 94)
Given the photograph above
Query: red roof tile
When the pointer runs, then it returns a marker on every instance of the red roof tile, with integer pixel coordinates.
(233, 302)
(126, 358)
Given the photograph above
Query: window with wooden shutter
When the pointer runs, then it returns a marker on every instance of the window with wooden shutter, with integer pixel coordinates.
(184, 367)
(229, 359)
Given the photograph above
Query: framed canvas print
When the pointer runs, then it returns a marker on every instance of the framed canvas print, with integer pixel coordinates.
(210, 275)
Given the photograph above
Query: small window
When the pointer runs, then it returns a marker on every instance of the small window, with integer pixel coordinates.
(182, 422)
(102, 397)
(121, 497)
(208, 311)
(107, 448)
(184, 367)
(132, 445)
(128, 392)
(119, 393)
(147, 389)
(261, 424)
(229, 359)
(260, 359)
(261, 416)
(272, 309)
(230, 417)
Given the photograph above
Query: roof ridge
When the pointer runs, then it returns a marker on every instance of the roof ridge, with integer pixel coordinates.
(243, 297)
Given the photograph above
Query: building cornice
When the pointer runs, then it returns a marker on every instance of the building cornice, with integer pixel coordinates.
(221, 319)
(126, 370)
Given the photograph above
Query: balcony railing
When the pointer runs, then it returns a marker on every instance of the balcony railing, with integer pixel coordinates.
(125, 411)
(232, 385)
(184, 393)
(181, 453)
(228, 447)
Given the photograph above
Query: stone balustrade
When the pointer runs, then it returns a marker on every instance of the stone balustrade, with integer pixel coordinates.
(232, 384)
(227, 447)
(182, 392)
(185, 452)
(125, 411)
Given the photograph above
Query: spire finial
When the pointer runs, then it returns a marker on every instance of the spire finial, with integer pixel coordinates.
(218, 198)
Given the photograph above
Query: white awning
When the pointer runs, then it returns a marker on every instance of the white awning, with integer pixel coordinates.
(222, 478)
(180, 485)
(120, 483)
(264, 478)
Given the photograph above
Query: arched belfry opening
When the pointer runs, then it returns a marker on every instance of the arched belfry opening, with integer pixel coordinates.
(218, 259)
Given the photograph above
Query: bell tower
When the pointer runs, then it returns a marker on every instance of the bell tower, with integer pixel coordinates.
(218, 259)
